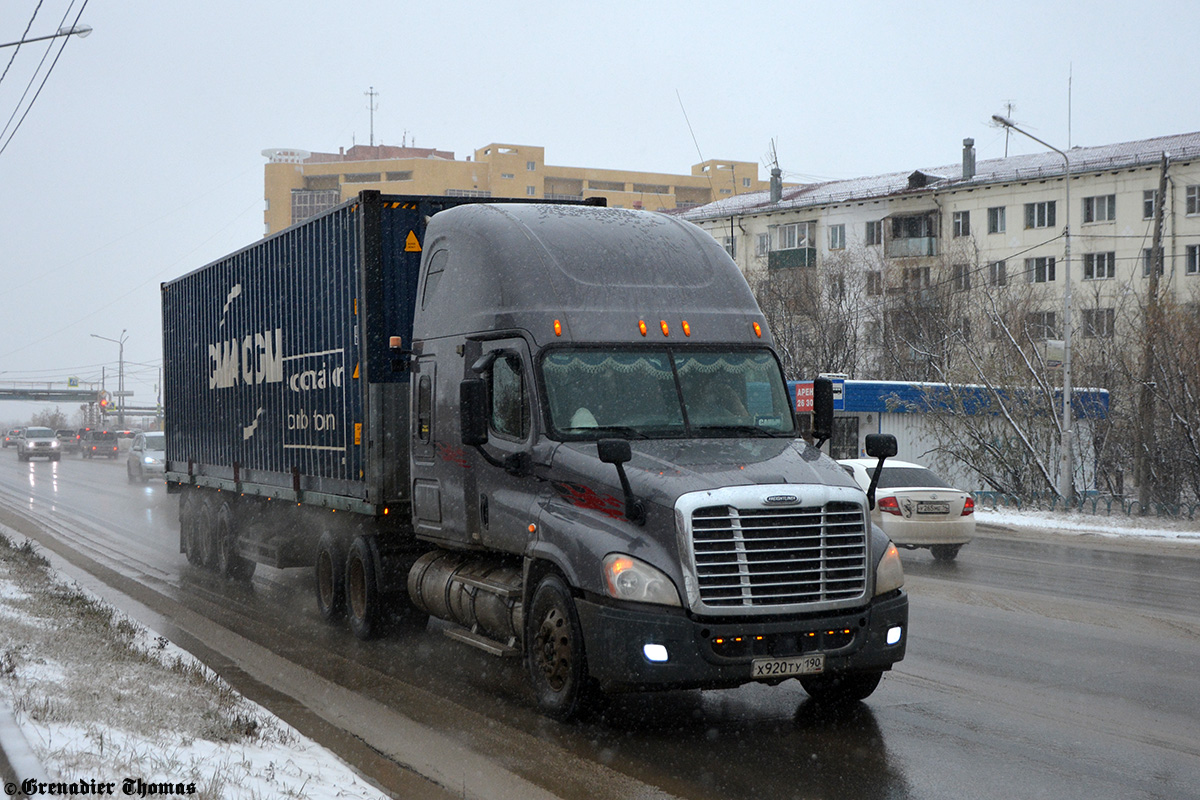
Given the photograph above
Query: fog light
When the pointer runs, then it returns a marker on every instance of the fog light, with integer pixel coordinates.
(655, 652)
(893, 635)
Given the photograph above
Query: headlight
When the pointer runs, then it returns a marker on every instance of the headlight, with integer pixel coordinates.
(148, 459)
(54, 444)
(889, 575)
(627, 578)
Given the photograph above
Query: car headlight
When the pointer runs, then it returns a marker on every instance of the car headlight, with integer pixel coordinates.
(54, 444)
(147, 460)
(627, 578)
(889, 574)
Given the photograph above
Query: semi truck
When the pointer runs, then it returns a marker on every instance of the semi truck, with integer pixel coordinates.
(560, 429)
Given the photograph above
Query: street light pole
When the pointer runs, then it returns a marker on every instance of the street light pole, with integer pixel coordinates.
(120, 374)
(75, 30)
(1066, 483)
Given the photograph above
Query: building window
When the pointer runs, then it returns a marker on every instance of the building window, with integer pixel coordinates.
(1193, 259)
(403, 175)
(727, 191)
(745, 183)
(730, 245)
(507, 175)
(962, 223)
(307, 203)
(531, 166)
(1193, 200)
(762, 244)
(837, 237)
(874, 233)
(1099, 266)
(1148, 197)
(1102, 208)
(996, 219)
(793, 235)
(874, 283)
(1040, 270)
(1040, 325)
(1098, 322)
(1148, 262)
(531, 191)
(361, 177)
(1039, 215)
(962, 277)
(998, 273)
(916, 278)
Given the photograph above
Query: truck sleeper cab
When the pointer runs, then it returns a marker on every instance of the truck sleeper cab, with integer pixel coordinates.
(561, 429)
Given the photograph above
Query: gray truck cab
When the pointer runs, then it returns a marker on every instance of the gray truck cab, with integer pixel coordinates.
(605, 458)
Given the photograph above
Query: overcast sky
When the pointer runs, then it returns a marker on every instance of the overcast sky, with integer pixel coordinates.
(141, 158)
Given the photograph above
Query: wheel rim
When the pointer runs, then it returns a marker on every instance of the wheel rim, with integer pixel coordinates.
(552, 648)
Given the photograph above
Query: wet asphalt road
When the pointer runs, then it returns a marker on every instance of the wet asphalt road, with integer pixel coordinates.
(1036, 668)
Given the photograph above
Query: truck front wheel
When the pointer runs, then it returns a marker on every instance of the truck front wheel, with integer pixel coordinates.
(362, 589)
(330, 574)
(841, 688)
(555, 653)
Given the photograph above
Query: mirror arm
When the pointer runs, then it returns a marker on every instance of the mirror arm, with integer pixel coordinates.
(635, 512)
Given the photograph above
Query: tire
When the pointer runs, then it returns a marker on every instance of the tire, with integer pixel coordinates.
(56, 458)
(363, 602)
(189, 530)
(129, 473)
(229, 562)
(329, 573)
(206, 535)
(945, 552)
(841, 688)
(555, 652)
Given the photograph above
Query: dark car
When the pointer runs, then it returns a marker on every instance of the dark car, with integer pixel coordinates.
(68, 440)
(99, 443)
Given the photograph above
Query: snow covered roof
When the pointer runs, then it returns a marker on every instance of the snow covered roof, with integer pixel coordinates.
(996, 170)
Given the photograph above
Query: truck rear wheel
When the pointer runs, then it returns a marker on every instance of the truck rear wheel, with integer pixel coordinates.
(555, 653)
(330, 574)
(842, 688)
(230, 563)
(206, 534)
(363, 601)
(189, 530)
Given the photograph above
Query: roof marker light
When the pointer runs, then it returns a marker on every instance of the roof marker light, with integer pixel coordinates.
(642, 326)
(662, 323)
(558, 327)
(687, 329)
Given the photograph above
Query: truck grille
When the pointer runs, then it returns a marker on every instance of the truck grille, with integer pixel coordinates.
(771, 557)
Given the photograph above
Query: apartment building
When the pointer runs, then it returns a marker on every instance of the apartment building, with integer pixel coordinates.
(994, 222)
(299, 183)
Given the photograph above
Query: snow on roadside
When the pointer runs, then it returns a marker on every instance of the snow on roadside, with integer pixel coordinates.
(1182, 530)
(100, 699)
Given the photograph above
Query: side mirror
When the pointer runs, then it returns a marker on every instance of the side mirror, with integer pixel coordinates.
(614, 451)
(473, 411)
(822, 427)
(881, 445)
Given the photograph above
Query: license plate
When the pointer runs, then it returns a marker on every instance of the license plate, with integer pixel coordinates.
(770, 668)
(933, 508)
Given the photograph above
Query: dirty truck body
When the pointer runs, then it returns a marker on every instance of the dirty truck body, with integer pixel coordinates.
(561, 429)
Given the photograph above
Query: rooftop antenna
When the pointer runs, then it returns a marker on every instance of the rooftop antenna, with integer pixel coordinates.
(1008, 109)
(371, 106)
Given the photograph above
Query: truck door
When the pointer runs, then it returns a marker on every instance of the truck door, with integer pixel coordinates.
(505, 497)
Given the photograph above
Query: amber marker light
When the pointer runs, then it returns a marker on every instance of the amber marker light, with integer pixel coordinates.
(558, 327)
(662, 323)
(758, 330)
(532, 528)
(687, 329)
(642, 326)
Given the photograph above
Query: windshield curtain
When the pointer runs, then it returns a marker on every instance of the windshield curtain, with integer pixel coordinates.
(665, 393)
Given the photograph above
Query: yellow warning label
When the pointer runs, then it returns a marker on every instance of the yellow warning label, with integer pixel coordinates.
(358, 433)
(411, 245)
(355, 376)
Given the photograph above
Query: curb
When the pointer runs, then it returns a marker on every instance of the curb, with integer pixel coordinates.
(17, 761)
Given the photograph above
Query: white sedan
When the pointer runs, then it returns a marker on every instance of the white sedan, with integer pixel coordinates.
(915, 507)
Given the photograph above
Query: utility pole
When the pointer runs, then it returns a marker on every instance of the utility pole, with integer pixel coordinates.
(1146, 453)
(371, 95)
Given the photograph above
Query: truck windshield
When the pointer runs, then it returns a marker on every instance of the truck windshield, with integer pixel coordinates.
(665, 393)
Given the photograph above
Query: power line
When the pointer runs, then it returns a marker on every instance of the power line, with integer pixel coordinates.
(18, 47)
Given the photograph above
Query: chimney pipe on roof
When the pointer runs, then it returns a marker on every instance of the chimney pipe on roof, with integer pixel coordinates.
(968, 167)
(776, 185)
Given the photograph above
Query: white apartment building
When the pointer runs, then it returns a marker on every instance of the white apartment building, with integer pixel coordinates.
(998, 221)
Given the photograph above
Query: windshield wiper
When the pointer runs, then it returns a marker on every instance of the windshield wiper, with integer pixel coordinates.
(753, 430)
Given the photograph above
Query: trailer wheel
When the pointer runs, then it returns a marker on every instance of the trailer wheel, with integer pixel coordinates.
(554, 652)
(229, 562)
(843, 688)
(362, 589)
(189, 529)
(330, 574)
(206, 534)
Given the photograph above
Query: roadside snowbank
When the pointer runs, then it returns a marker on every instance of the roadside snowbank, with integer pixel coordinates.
(1075, 523)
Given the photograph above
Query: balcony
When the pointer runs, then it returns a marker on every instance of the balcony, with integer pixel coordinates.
(915, 247)
(798, 257)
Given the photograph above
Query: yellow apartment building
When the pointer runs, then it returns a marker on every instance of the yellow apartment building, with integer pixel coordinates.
(299, 184)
